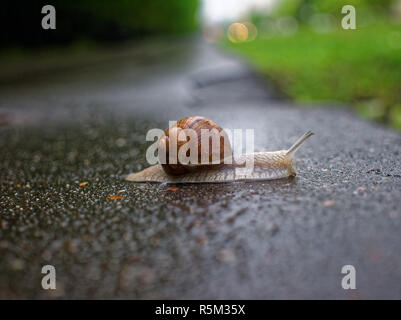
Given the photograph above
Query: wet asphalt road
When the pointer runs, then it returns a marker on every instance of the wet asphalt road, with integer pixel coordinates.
(279, 239)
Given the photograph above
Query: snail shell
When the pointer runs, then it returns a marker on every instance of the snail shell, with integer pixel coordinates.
(173, 164)
(266, 165)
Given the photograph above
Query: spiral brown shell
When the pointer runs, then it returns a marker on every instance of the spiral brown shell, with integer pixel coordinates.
(197, 124)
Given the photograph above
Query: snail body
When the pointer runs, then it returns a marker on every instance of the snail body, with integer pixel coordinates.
(266, 166)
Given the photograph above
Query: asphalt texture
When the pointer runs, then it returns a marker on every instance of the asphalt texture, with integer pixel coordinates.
(69, 138)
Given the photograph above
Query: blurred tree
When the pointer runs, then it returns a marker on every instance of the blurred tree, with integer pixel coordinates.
(304, 9)
(99, 20)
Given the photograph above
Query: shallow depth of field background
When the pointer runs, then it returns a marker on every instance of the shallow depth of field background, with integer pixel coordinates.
(298, 44)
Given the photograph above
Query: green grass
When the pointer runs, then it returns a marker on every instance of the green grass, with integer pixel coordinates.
(361, 67)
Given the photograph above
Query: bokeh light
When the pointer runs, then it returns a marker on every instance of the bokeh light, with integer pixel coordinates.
(252, 31)
(322, 23)
(287, 26)
(237, 32)
(240, 32)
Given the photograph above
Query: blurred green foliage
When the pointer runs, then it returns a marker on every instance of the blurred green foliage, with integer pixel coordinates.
(98, 20)
(319, 61)
(304, 9)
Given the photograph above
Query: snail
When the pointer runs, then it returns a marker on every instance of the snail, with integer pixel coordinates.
(221, 165)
